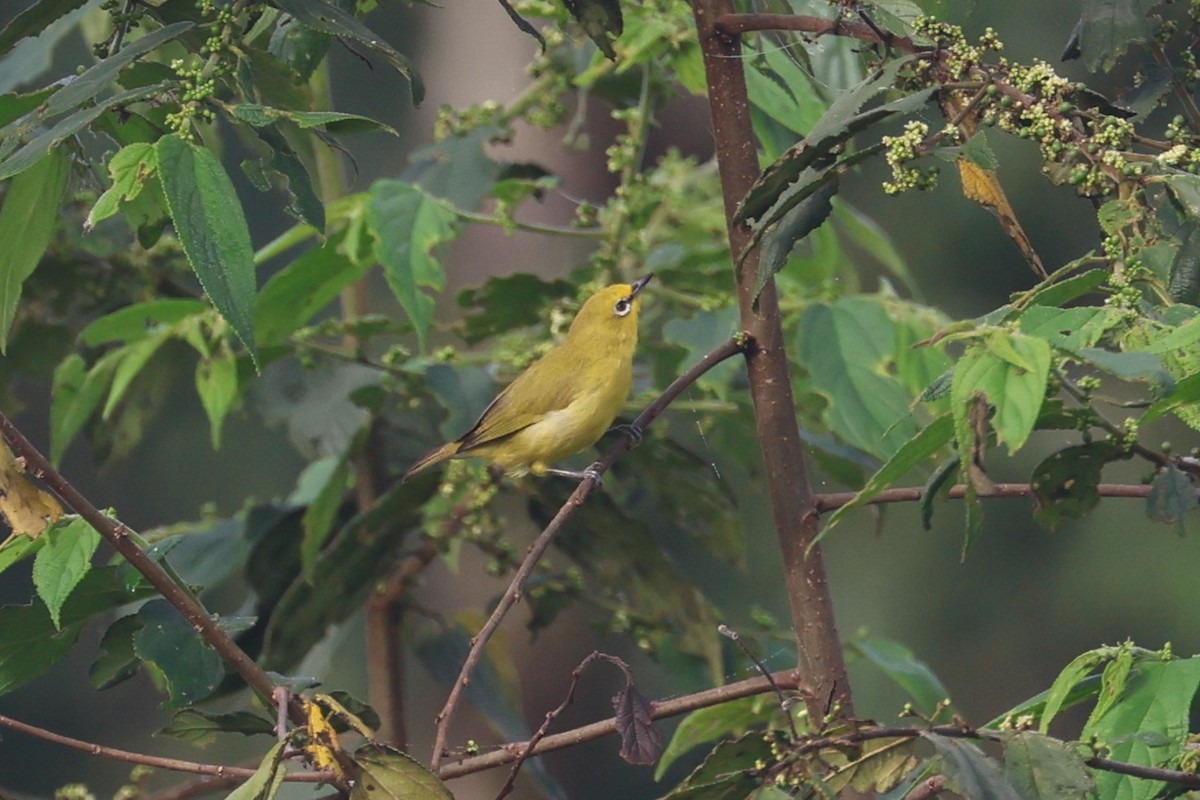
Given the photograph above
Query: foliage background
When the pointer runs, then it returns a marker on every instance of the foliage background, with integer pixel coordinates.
(996, 627)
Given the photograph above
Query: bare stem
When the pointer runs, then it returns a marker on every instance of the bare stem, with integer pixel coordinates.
(177, 765)
(513, 593)
(911, 494)
(820, 661)
(730, 24)
(662, 709)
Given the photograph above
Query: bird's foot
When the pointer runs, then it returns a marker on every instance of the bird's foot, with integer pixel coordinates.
(634, 433)
(592, 471)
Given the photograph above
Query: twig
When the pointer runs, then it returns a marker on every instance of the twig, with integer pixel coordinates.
(930, 787)
(512, 594)
(911, 494)
(116, 534)
(785, 702)
(736, 24)
(174, 764)
(662, 709)
(544, 728)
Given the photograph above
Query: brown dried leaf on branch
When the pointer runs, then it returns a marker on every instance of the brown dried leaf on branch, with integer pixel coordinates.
(640, 742)
(27, 509)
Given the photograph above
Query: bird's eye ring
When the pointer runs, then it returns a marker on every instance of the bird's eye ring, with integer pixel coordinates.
(622, 307)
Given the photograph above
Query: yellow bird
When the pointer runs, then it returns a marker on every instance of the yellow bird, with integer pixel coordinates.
(565, 400)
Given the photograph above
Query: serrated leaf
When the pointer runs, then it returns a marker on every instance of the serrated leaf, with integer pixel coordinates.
(63, 562)
(265, 782)
(139, 321)
(780, 237)
(27, 223)
(1072, 674)
(972, 773)
(33, 20)
(1130, 366)
(217, 386)
(708, 724)
(212, 228)
(258, 116)
(298, 291)
(201, 728)
(932, 438)
(1041, 768)
(913, 675)
(728, 772)
(132, 359)
(191, 668)
(1172, 494)
(118, 661)
(1109, 27)
(1015, 391)
(640, 742)
(1065, 483)
(387, 774)
(408, 226)
(76, 396)
(130, 168)
(1156, 701)
(330, 19)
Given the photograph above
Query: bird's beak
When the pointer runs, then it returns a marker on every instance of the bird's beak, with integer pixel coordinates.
(640, 284)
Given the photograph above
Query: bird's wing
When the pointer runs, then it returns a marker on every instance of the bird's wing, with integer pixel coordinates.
(542, 391)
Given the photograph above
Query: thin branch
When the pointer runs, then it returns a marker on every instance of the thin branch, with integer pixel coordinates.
(737, 24)
(512, 594)
(544, 728)
(117, 534)
(177, 765)
(912, 494)
(785, 703)
(662, 709)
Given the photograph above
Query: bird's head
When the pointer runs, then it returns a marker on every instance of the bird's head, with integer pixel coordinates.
(611, 312)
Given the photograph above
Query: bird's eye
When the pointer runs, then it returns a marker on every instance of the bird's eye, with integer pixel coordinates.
(622, 307)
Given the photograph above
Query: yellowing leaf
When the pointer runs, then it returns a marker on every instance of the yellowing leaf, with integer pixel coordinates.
(323, 746)
(27, 509)
(981, 186)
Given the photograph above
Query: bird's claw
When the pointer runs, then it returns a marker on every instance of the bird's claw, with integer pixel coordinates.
(633, 432)
(592, 471)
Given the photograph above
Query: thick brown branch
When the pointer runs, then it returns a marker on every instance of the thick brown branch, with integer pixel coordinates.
(912, 494)
(513, 593)
(596, 730)
(797, 521)
(177, 765)
(116, 534)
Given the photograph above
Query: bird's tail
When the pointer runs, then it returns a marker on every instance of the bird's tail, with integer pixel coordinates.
(434, 456)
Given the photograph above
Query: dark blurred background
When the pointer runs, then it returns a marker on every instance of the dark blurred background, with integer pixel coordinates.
(996, 627)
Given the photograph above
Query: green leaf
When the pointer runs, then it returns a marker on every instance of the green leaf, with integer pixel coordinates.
(139, 321)
(1064, 291)
(1186, 392)
(1129, 366)
(899, 664)
(1185, 189)
(191, 668)
(1080, 666)
(326, 18)
(318, 519)
(76, 396)
(1068, 328)
(728, 772)
(780, 237)
(118, 661)
(1015, 390)
(1113, 681)
(294, 178)
(1156, 700)
(130, 168)
(932, 438)
(1172, 494)
(95, 79)
(62, 563)
(408, 225)
(507, 302)
(1041, 768)
(1109, 27)
(298, 291)
(258, 116)
(19, 548)
(212, 229)
(972, 774)
(132, 359)
(849, 349)
(27, 224)
(388, 774)
(201, 728)
(1065, 484)
(779, 88)
(698, 335)
(265, 782)
(29, 641)
(33, 20)
(708, 724)
(217, 386)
